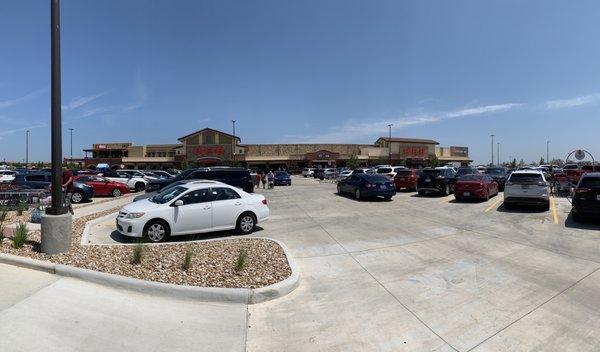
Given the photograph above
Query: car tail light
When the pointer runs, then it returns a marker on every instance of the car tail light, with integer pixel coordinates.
(264, 201)
(582, 190)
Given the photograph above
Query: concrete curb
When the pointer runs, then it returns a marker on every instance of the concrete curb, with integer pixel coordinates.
(85, 236)
(208, 294)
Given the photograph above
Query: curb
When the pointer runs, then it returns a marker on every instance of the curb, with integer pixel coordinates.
(85, 236)
(208, 294)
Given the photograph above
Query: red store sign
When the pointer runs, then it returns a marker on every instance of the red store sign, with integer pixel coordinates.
(208, 151)
(415, 151)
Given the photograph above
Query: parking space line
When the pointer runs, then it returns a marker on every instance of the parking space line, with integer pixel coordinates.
(554, 210)
(494, 205)
(445, 200)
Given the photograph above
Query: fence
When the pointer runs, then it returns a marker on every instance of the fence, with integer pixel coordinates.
(13, 199)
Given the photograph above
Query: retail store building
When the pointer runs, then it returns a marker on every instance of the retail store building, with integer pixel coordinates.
(211, 147)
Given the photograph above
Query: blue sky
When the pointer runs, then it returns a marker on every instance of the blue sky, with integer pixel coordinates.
(307, 71)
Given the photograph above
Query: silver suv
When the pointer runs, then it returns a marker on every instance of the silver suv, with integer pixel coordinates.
(527, 187)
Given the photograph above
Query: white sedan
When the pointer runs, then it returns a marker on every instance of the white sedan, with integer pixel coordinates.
(193, 208)
(6, 176)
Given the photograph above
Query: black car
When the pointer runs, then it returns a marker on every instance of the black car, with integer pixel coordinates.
(365, 186)
(234, 176)
(440, 181)
(586, 198)
(42, 180)
(499, 174)
(282, 178)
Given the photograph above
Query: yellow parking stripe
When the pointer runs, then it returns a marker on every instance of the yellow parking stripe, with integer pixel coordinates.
(495, 204)
(446, 199)
(554, 210)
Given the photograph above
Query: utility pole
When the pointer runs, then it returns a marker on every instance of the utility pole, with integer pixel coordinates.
(71, 131)
(548, 152)
(390, 144)
(234, 142)
(57, 222)
(498, 154)
(492, 164)
(26, 149)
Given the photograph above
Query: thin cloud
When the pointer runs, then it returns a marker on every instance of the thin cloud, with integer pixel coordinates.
(12, 102)
(81, 101)
(573, 102)
(21, 129)
(356, 131)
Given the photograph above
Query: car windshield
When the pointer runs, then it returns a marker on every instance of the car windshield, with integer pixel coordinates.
(525, 178)
(281, 174)
(590, 182)
(384, 170)
(168, 194)
(495, 171)
(470, 177)
(375, 178)
(465, 171)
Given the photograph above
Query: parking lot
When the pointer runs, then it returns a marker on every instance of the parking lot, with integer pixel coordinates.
(429, 273)
(424, 273)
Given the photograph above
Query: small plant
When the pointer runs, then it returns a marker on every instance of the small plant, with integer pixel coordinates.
(21, 208)
(187, 260)
(137, 253)
(240, 263)
(3, 216)
(20, 236)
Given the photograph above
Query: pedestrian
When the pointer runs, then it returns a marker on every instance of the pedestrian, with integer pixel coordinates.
(67, 186)
(263, 179)
(271, 179)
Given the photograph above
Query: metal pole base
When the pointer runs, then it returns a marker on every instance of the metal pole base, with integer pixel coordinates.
(56, 233)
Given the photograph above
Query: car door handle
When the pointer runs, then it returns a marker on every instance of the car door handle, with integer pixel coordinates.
(238, 203)
(206, 207)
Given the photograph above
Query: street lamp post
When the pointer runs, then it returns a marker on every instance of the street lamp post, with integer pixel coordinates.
(548, 152)
(56, 224)
(71, 132)
(498, 154)
(26, 149)
(390, 144)
(233, 142)
(492, 164)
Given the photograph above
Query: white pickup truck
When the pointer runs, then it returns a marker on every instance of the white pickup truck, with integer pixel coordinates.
(6, 176)
(135, 182)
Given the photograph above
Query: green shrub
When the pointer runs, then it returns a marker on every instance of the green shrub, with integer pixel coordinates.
(187, 261)
(240, 263)
(21, 208)
(3, 216)
(136, 258)
(20, 236)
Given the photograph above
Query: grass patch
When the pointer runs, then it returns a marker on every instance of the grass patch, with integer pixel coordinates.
(240, 262)
(187, 260)
(20, 236)
(138, 250)
(21, 208)
(3, 216)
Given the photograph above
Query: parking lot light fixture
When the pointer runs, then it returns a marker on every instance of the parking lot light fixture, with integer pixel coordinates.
(26, 149)
(492, 161)
(390, 143)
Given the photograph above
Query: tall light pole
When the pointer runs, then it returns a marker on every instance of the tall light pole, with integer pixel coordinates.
(498, 154)
(390, 144)
(26, 149)
(548, 152)
(233, 142)
(491, 135)
(56, 229)
(71, 132)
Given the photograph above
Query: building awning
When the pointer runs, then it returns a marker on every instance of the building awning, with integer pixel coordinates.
(455, 158)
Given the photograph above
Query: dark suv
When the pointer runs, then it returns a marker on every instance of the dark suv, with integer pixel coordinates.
(499, 174)
(586, 199)
(440, 181)
(234, 176)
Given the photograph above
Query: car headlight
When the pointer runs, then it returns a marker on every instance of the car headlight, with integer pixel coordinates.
(134, 215)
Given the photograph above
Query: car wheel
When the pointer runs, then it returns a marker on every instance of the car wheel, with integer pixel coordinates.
(339, 189)
(116, 192)
(487, 195)
(546, 206)
(507, 205)
(446, 191)
(76, 197)
(156, 231)
(576, 217)
(387, 197)
(421, 193)
(357, 194)
(140, 186)
(246, 224)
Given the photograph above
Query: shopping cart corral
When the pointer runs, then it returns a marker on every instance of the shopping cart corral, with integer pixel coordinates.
(12, 200)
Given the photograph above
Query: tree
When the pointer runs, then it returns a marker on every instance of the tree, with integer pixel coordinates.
(521, 162)
(434, 161)
(353, 162)
(513, 164)
(542, 161)
(184, 164)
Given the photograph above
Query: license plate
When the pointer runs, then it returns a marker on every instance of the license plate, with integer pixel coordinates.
(427, 180)
(525, 186)
(467, 194)
(382, 187)
(401, 178)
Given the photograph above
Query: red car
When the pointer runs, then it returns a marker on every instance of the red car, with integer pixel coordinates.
(102, 186)
(406, 179)
(478, 186)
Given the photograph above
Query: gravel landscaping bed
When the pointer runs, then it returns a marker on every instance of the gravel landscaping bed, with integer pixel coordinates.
(12, 217)
(213, 263)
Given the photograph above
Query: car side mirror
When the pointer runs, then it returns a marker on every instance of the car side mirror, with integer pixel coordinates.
(178, 203)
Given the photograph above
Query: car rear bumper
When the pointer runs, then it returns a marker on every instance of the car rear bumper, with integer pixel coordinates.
(378, 193)
(405, 184)
(586, 210)
(527, 200)
(469, 193)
